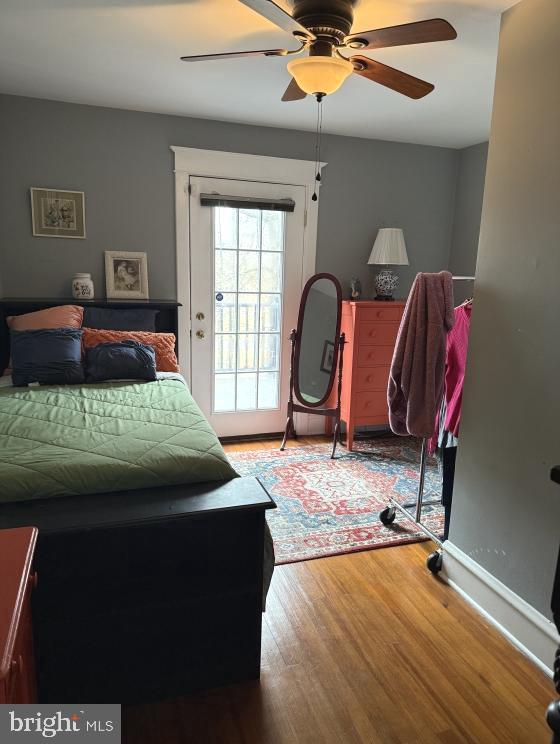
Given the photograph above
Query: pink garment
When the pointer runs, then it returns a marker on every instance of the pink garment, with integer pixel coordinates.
(455, 363)
(417, 370)
(457, 347)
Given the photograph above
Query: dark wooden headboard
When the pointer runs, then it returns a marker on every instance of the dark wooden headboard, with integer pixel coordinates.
(166, 318)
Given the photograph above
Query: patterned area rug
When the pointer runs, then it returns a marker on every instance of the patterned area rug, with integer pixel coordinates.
(328, 507)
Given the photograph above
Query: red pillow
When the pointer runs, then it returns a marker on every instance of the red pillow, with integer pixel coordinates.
(61, 316)
(163, 343)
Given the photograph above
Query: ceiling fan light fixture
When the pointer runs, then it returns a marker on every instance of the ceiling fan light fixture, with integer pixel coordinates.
(320, 75)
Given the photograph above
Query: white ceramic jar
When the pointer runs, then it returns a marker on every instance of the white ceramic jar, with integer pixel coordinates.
(82, 287)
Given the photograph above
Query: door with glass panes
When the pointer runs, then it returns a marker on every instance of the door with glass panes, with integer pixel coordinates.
(246, 280)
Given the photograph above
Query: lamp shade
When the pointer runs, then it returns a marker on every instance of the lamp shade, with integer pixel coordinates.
(389, 247)
(320, 74)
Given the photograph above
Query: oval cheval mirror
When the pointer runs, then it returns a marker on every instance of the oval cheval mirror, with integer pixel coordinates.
(317, 350)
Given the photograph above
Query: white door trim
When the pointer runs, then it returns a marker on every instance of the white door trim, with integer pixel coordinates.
(191, 161)
(532, 633)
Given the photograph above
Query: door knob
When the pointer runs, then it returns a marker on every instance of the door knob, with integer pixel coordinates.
(200, 316)
(200, 334)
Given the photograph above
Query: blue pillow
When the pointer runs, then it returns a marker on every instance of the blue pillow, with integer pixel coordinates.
(51, 356)
(120, 319)
(125, 360)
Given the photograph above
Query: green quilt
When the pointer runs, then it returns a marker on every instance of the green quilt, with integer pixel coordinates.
(67, 440)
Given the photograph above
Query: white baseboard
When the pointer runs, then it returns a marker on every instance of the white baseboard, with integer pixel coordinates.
(532, 633)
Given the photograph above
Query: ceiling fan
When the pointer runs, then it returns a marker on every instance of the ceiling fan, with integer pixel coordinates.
(323, 29)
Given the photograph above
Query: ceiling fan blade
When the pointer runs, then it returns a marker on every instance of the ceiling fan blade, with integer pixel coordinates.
(232, 55)
(389, 77)
(408, 33)
(279, 17)
(293, 92)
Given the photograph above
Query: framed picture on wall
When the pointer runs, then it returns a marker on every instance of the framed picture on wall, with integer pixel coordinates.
(126, 275)
(57, 213)
(327, 357)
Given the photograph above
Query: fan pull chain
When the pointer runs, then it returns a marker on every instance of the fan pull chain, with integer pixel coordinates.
(318, 132)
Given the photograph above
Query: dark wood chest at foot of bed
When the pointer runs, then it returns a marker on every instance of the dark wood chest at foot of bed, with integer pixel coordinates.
(147, 595)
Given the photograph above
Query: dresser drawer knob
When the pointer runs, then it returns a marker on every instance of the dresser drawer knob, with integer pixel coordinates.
(17, 666)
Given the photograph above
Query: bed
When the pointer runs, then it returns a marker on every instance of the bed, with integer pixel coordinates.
(66, 440)
(150, 549)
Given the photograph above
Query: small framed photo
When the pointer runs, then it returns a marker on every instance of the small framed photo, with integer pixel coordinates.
(56, 213)
(327, 357)
(126, 275)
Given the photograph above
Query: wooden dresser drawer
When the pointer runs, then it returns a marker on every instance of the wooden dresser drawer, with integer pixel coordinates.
(371, 404)
(372, 356)
(371, 378)
(371, 329)
(17, 663)
(383, 334)
(381, 313)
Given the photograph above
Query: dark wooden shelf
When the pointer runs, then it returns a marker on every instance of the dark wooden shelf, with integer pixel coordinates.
(166, 319)
(99, 302)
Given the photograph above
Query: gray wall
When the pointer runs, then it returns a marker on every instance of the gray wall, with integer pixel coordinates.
(468, 208)
(121, 159)
(506, 513)
(466, 220)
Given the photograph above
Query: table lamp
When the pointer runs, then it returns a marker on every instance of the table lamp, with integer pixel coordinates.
(389, 249)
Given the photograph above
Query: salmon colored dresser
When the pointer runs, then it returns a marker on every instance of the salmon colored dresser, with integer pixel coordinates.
(371, 330)
(17, 663)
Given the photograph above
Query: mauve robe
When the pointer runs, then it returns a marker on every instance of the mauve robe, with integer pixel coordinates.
(418, 367)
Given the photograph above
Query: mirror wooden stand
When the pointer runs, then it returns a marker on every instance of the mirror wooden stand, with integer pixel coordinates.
(317, 355)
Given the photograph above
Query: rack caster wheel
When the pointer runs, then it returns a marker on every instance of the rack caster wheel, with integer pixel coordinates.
(434, 562)
(387, 516)
(553, 717)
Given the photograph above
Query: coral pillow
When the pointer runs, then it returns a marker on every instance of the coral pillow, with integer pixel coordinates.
(163, 343)
(61, 316)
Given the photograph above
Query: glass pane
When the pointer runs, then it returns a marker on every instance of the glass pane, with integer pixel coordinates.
(248, 313)
(271, 313)
(249, 228)
(269, 352)
(318, 339)
(249, 271)
(224, 356)
(225, 313)
(225, 271)
(248, 267)
(247, 391)
(224, 393)
(247, 344)
(271, 272)
(268, 390)
(225, 228)
(272, 231)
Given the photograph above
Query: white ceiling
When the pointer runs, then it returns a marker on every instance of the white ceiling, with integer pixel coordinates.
(125, 54)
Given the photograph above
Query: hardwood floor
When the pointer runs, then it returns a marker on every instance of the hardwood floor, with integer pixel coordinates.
(364, 648)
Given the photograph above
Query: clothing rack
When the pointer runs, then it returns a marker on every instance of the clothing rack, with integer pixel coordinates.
(387, 516)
